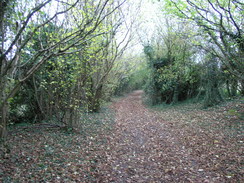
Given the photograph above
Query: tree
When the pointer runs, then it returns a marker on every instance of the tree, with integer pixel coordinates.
(212, 82)
(221, 23)
(17, 38)
(170, 59)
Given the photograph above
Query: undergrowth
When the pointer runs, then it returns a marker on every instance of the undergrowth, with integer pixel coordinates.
(228, 116)
(42, 154)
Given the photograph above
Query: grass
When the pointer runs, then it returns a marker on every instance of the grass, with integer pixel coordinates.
(186, 105)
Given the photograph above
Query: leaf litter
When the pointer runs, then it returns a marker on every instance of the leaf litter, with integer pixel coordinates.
(182, 143)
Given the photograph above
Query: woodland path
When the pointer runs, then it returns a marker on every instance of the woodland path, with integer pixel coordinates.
(181, 143)
(145, 148)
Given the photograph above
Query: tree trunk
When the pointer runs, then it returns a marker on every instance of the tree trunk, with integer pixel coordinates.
(3, 108)
(228, 87)
(213, 96)
(3, 121)
(95, 103)
(176, 93)
(242, 87)
(234, 85)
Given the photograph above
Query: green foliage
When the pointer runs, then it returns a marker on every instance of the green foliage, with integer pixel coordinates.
(136, 80)
(173, 75)
(132, 76)
(80, 53)
(236, 113)
(220, 24)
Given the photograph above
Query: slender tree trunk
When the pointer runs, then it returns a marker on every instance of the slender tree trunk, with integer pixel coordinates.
(69, 119)
(3, 109)
(176, 93)
(228, 87)
(213, 96)
(3, 121)
(234, 85)
(242, 87)
(95, 104)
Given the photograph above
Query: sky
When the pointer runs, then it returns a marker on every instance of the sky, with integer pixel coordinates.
(146, 20)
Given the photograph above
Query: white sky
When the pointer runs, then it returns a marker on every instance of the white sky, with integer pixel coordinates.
(146, 23)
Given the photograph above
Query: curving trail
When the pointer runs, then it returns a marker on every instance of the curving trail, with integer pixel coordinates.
(145, 148)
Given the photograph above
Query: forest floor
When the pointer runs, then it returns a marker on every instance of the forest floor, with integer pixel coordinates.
(182, 143)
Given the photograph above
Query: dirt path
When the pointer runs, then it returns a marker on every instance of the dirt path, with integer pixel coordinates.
(145, 148)
(181, 143)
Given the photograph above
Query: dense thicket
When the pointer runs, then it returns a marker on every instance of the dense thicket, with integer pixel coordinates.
(173, 71)
(197, 52)
(57, 58)
(133, 76)
(220, 24)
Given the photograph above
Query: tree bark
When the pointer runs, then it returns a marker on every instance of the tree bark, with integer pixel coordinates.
(234, 85)
(176, 93)
(228, 87)
(3, 121)
(95, 100)
(213, 96)
(242, 88)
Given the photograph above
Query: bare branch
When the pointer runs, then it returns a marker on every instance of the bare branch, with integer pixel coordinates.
(36, 9)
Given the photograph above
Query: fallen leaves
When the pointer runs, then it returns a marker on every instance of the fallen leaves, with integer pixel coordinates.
(176, 144)
(52, 155)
